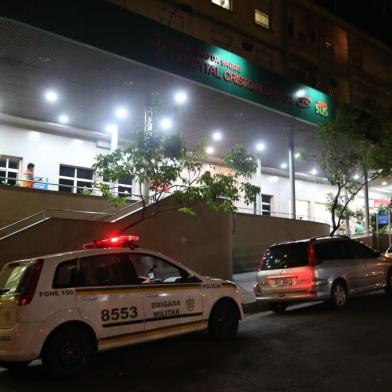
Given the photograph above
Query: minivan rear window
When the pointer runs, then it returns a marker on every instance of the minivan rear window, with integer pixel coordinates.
(13, 276)
(283, 256)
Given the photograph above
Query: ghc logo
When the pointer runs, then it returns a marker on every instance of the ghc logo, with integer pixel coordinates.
(321, 109)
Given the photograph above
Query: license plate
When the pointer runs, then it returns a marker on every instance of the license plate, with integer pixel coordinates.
(283, 282)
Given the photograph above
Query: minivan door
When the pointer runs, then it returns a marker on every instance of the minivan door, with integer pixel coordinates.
(372, 275)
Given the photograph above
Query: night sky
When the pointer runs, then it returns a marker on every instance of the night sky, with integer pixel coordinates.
(372, 16)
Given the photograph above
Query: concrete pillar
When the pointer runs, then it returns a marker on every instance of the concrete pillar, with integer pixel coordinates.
(258, 183)
(366, 196)
(113, 129)
(292, 173)
(148, 128)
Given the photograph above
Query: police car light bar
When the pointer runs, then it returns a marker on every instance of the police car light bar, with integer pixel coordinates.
(113, 242)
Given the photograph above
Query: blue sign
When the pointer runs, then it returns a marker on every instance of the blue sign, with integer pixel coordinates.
(382, 219)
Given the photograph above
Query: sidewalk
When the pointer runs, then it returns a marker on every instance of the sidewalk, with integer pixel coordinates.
(246, 280)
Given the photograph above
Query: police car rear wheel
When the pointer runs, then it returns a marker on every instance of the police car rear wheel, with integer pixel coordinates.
(67, 351)
(224, 320)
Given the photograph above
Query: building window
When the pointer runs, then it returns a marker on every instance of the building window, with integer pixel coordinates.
(266, 204)
(262, 19)
(9, 169)
(74, 179)
(125, 186)
(226, 4)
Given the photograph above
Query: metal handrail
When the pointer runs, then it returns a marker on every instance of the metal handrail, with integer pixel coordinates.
(19, 180)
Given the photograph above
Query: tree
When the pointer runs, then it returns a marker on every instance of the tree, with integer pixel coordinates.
(352, 144)
(162, 161)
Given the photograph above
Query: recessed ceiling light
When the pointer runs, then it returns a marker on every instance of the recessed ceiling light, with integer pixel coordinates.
(217, 136)
(44, 59)
(63, 119)
(180, 97)
(300, 93)
(166, 123)
(283, 165)
(210, 150)
(121, 112)
(51, 96)
(111, 128)
(260, 147)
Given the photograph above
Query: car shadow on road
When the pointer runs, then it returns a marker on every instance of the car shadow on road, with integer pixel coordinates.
(177, 363)
(363, 302)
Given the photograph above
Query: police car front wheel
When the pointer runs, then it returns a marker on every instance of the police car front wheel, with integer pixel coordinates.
(68, 350)
(224, 320)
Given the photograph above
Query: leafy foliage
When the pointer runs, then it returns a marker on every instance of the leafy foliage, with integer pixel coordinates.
(353, 143)
(162, 162)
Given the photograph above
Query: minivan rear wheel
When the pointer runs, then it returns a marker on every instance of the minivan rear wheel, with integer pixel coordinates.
(278, 307)
(338, 295)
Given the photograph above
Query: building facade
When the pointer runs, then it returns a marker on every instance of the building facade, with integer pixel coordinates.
(292, 43)
(296, 39)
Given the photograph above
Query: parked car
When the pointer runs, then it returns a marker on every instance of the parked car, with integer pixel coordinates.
(326, 268)
(64, 307)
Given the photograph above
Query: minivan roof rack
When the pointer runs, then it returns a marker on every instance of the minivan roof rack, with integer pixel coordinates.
(327, 236)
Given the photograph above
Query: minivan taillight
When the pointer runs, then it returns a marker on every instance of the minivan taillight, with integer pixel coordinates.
(312, 257)
(31, 284)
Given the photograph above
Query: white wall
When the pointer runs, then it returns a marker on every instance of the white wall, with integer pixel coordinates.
(47, 151)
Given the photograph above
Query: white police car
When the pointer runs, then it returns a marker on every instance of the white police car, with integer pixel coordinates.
(64, 307)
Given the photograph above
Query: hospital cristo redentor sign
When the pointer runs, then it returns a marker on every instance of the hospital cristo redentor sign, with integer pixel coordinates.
(132, 36)
(233, 74)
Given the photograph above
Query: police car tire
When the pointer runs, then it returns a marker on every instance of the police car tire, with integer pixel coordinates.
(224, 320)
(62, 345)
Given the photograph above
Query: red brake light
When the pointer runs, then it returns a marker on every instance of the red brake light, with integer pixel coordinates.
(113, 242)
(31, 285)
(312, 257)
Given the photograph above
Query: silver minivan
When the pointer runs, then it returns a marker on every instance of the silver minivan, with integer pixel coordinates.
(325, 268)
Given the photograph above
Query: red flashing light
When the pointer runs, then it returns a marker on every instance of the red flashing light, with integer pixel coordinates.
(32, 283)
(312, 257)
(113, 242)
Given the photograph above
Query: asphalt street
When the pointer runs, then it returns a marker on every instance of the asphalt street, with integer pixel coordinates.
(308, 348)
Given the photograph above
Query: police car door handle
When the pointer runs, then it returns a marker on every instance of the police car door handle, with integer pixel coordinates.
(153, 294)
(89, 298)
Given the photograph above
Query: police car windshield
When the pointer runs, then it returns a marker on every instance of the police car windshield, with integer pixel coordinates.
(12, 277)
